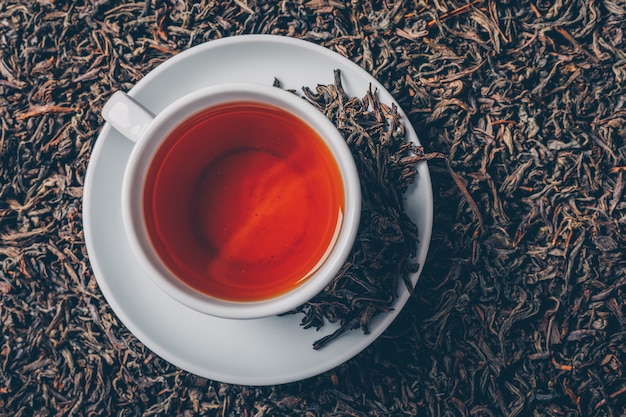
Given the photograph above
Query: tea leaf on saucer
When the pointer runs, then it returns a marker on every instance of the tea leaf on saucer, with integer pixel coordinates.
(380, 261)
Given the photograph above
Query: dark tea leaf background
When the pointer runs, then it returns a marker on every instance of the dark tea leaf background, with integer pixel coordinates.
(521, 110)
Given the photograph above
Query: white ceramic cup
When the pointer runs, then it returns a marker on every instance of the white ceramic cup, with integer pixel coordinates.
(133, 121)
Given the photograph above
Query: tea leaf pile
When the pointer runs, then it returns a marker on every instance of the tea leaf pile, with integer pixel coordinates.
(387, 239)
(521, 306)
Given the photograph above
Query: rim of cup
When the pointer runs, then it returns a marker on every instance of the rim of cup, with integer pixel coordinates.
(182, 109)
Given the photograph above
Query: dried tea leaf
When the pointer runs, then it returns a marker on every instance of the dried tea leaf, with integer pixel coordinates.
(386, 242)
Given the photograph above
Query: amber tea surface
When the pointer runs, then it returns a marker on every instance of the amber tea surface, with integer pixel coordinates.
(242, 201)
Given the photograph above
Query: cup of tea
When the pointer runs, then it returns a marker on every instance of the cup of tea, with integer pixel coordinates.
(239, 200)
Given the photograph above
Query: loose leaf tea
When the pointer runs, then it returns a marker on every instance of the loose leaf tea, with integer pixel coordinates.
(386, 242)
(520, 309)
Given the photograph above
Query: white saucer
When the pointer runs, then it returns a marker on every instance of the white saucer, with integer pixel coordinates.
(267, 351)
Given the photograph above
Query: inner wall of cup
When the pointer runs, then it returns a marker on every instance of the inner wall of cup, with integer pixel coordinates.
(166, 123)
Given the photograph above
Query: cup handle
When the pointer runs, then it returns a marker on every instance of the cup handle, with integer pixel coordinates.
(126, 115)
